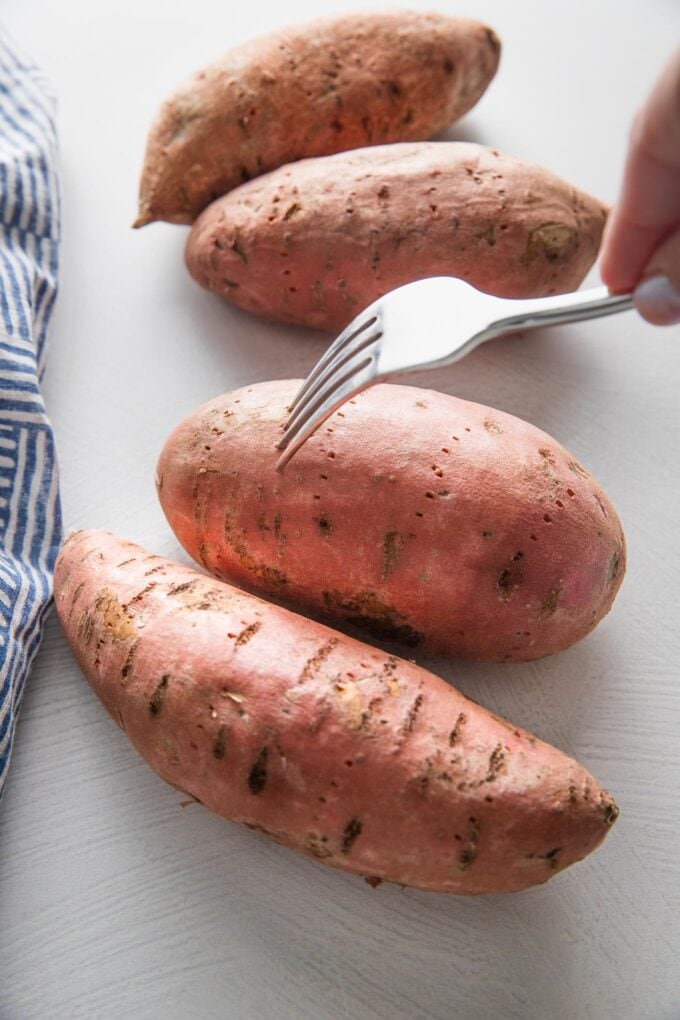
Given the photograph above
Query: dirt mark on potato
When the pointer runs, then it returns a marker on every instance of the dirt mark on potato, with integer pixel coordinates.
(365, 609)
(118, 626)
(392, 545)
(257, 777)
(350, 834)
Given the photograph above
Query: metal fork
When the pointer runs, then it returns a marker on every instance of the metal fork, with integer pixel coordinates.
(426, 324)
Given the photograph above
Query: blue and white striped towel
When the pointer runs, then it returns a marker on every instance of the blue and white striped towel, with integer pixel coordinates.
(30, 515)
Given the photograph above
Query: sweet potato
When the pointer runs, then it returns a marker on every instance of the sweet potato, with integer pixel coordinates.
(420, 517)
(341, 752)
(316, 242)
(333, 84)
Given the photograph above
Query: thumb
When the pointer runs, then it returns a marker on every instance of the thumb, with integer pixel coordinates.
(657, 296)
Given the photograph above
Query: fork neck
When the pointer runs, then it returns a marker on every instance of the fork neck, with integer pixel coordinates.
(531, 313)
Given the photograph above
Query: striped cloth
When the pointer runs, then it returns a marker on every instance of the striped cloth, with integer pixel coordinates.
(30, 515)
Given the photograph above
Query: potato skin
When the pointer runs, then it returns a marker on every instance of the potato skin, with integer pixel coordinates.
(329, 85)
(316, 242)
(421, 518)
(334, 749)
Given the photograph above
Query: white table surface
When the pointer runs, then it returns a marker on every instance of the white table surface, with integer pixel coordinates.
(115, 901)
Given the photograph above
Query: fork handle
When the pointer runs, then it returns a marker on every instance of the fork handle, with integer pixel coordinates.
(549, 311)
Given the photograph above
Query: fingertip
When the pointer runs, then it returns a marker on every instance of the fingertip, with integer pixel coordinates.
(609, 273)
(616, 272)
(626, 249)
(613, 254)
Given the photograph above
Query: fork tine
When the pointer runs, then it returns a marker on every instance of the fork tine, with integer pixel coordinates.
(357, 378)
(355, 327)
(333, 368)
(361, 360)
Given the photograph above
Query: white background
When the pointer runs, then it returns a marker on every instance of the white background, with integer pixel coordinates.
(115, 901)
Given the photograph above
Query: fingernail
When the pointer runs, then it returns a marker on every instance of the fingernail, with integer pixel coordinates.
(658, 301)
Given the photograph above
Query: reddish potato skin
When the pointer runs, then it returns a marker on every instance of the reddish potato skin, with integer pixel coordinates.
(316, 242)
(422, 518)
(330, 85)
(326, 745)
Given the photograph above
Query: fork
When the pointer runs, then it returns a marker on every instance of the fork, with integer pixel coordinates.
(425, 324)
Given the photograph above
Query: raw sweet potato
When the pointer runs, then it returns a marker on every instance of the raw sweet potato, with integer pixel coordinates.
(333, 84)
(326, 745)
(420, 517)
(316, 242)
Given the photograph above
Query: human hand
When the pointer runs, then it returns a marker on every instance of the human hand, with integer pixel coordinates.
(641, 246)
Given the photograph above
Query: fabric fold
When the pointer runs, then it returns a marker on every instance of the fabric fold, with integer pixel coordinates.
(30, 512)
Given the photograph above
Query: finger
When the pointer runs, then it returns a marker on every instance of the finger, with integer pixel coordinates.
(649, 205)
(657, 297)
(657, 129)
(649, 208)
